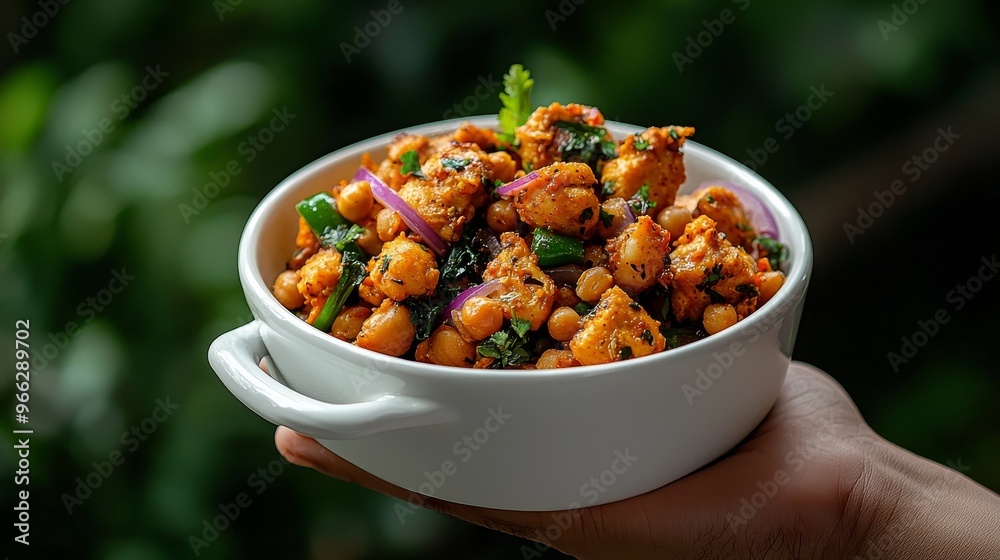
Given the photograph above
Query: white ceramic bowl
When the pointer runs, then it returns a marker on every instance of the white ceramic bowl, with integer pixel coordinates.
(522, 440)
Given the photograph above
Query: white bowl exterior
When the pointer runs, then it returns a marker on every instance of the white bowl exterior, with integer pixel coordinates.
(569, 438)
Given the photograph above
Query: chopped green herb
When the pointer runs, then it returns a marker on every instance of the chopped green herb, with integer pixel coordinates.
(775, 251)
(460, 268)
(640, 202)
(516, 102)
(608, 188)
(748, 290)
(711, 279)
(640, 143)
(586, 215)
(606, 217)
(744, 227)
(647, 336)
(584, 143)
(385, 263)
(710, 199)
(455, 164)
(411, 164)
(341, 236)
(679, 336)
(673, 134)
(582, 308)
(625, 353)
(507, 347)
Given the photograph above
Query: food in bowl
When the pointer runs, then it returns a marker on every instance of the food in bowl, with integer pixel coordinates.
(544, 244)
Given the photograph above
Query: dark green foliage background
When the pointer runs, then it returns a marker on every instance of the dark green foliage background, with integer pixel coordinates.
(61, 239)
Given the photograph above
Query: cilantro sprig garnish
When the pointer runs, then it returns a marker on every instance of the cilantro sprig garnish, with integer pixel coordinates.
(508, 347)
(516, 102)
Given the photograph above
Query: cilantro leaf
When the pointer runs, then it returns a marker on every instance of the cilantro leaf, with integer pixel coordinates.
(775, 251)
(711, 279)
(584, 143)
(640, 200)
(507, 347)
(640, 143)
(411, 164)
(341, 236)
(608, 188)
(455, 163)
(606, 217)
(515, 100)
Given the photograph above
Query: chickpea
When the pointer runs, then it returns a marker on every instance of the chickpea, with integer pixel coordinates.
(348, 323)
(355, 201)
(771, 282)
(449, 348)
(369, 241)
(389, 224)
(370, 293)
(388, 330)
(593, 283)
(673, 219)
(718, 316)
(422, 352)
(563, 323)
(481, 317)
(552, 359)
(595, 255)
(286, 290)
(501, 216)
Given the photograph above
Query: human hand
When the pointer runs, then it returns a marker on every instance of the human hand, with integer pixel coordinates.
(812, 481)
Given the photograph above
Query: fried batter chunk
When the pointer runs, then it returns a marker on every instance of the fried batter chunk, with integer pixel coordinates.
(562, 199)
(616, 329)
(725, 208)
(706, 268)
(404, 268)
(455, 186)
(637, 255)
(660, 165)
(540, 141)
(526, 292)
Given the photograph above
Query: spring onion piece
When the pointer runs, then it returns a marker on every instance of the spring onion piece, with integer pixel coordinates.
(761, 218)
(388, 198)
(517, 184)
(353, 273)
(554, 250)
(484, 289)
(320, 212)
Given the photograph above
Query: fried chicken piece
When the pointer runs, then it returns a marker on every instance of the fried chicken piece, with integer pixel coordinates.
(562, 199)
(660, 165)
(638, 255)
(725, 208)
(526, 292)
(616, 329)
(541, 142)
(706, 268)
(404, 268)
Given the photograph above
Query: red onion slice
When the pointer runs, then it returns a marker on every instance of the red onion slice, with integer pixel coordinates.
(517, 184)
(760, 216)
(484, 289)
(388, 198)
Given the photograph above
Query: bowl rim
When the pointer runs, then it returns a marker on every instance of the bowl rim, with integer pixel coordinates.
(789, 221)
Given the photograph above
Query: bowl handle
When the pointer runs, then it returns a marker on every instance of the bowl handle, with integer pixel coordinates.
(235, 356)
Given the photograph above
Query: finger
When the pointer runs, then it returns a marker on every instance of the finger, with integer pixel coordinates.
(307, 452)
